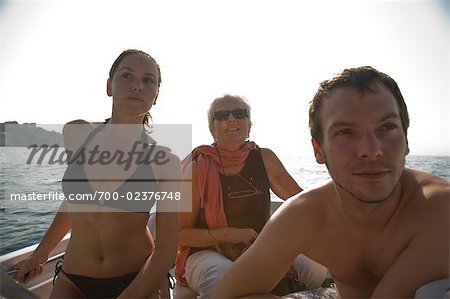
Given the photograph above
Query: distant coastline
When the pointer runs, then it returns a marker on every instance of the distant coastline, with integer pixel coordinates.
(22, 135)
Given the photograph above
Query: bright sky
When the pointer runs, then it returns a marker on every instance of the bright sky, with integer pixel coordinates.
(55, 56)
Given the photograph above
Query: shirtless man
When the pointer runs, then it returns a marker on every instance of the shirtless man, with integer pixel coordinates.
(381, 229)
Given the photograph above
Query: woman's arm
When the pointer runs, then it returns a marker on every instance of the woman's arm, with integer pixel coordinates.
(32, 266)
(281, 182)
(155, 269)
(189, 235)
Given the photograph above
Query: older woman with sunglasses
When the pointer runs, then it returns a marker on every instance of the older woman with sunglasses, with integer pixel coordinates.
(231, 180)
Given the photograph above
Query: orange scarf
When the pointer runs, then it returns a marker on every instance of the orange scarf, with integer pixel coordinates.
(208, 164)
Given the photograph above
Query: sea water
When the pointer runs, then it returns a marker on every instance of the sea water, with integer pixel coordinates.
(23, 223)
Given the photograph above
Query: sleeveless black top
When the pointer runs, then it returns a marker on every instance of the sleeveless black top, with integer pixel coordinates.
(248, 207)
(129, 196)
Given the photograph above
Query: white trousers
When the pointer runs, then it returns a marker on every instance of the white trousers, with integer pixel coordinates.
(205, 269)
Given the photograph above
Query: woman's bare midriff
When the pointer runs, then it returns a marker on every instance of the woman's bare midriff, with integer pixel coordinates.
(107, 244)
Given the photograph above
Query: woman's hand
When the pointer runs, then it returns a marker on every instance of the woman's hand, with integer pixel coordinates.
(234, 235)
(30, 267)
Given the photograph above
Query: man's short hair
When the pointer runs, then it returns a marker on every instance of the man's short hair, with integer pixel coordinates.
(364, 79)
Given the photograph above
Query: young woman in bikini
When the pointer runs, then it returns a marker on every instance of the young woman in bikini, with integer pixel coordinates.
(111, 252)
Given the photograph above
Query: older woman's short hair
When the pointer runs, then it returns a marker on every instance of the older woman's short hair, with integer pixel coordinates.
(227, 97)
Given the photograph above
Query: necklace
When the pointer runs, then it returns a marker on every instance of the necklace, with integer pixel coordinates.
(243, 193)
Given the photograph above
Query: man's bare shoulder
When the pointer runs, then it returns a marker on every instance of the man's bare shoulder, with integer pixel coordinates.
(428, 203)
(424, 177)
(316, 197)
(421, 226)
(301, 220)
(310, 205)
(426, 186)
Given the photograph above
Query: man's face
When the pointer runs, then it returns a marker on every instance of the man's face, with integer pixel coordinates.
(363, 146)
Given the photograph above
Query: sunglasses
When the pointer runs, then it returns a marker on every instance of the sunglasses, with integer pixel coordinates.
(239, 113)
(244, 193)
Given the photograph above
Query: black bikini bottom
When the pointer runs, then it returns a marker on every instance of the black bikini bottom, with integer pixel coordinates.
(110, 287)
